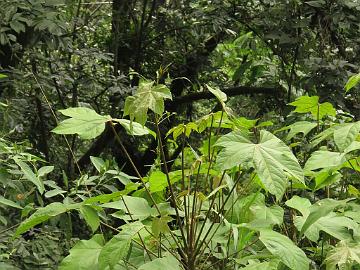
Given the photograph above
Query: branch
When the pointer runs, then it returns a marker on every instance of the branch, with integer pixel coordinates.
(232, 91)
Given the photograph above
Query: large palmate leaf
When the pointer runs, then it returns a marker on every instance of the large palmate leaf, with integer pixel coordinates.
(306, 104)
(283, 248)
(272, 159)
(168, 262)
(84, 121)
(148, 96)
(84, 255)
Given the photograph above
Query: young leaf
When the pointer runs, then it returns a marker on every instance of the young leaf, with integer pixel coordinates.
(283, 248)
(84, 255)
(148, 96)
(84, 121)
(271, 158)
(91, 216)
(98, 163)
(30, 175)
(306, 104)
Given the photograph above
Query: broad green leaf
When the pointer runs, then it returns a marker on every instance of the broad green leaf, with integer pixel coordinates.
(160, 225)
(148, 96)
(84, 255)
(299, 127)
(183, 129)
(9, 203)
(326, 134)
(273, 215)
(352, 147)
(345, 256)
(43, 214)
(30, 175)
(158, 181)
(326, 178)
(138, 207)
(118, 247)
(324, 159)
(352, 82)
(161, 264)
(300, 204)
(272, 159)
(335, 225)
(272, 265)
(98, 163)
(320, 209)
(306, 104)
(91, 216)
(133, 128)
(283, 248)
(346, 134)
(84, 121)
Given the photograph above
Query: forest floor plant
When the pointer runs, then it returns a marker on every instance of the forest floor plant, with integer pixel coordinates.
(241, 199)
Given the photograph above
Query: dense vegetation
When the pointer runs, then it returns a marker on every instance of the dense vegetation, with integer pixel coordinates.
(183, 134)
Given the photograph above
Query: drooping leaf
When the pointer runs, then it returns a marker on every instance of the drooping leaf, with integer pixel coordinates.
(118, 246)
(283, 248)
(133, 128)
(139, 208)
(91, 216)
(271, 158)
(161, 264)
(84, 255)
(43, 214)
(352, 82)
(299, 127)
(9, 203)
(45, 170)
(148, 96)
(324, 159)
(84, 121)
(320, 209)
(30, 175)
(306, 104)
(346, 134)
(98, 163)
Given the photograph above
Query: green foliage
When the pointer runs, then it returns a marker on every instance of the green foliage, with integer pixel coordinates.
(306, 104)
(352, 82)
(271, 158)
(84, 121)
(148, 96)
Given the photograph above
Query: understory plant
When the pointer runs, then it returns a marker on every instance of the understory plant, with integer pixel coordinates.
(246, 195)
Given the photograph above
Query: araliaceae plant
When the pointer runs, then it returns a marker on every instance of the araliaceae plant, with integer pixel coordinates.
(253, 197)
